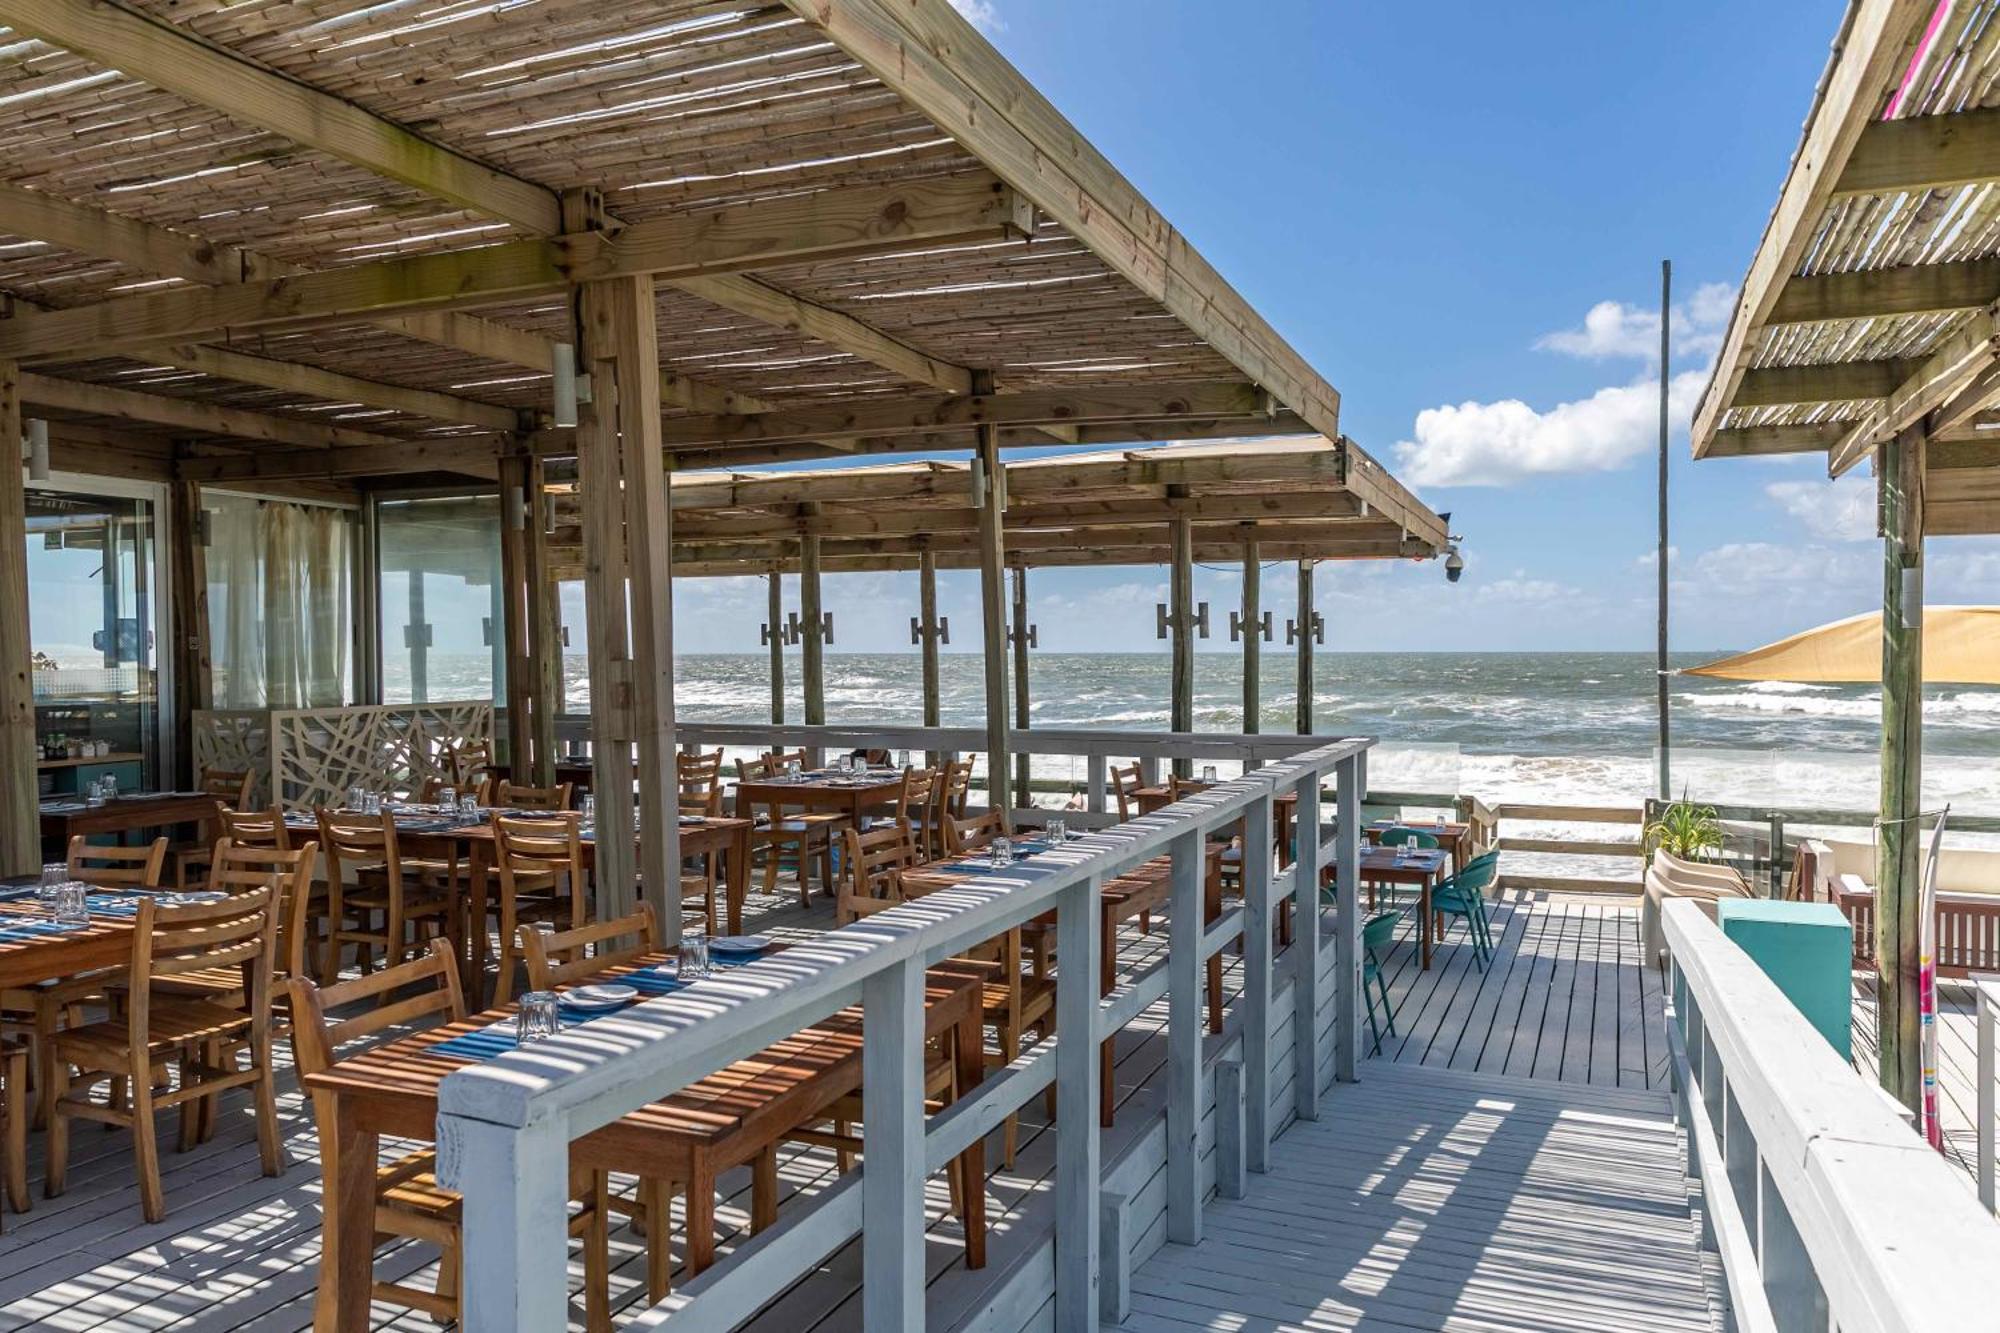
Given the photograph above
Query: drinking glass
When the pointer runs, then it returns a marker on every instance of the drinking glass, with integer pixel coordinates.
(447, 799)
(791, 768)
(468, 805)
(72, 903)
(692, 961)
(110, 781)
(1001, 851)
(93, 792)
(1057, 830)
(54, 875)
(539, 1017)
(355, 797)
(587, 808)
(1208, 772)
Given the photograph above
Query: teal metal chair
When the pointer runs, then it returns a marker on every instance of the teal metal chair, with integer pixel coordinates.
(1378, 932)
(1402, 837)
(1464, 895)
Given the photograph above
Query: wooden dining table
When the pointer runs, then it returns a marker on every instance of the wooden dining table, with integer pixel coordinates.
(734, 1117)
(105, 942)
(63, 818)
(1418, 866)
(1454, 839)
(1284, 812)
(827, 790)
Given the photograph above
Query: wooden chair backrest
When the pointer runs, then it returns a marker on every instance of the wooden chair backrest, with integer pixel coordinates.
(954, 788)
(536, 847)
(256, 828)
(1125, 785)
(1007, 950)
(920, 787)
(700, 783)
(872, 869)
(562, 957)
(237, 869)
(969, 835)
(227, 786)
(362, 840)
(316, 1038)
(510, 797)
(117, 867)
(470, 766)
(777, 759)
(238, 931)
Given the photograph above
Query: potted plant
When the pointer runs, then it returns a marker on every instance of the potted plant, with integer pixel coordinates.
(1685, 830)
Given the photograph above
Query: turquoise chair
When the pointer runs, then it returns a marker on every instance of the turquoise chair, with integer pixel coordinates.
(1378, 932)
(1402, 837)
(1464, 895)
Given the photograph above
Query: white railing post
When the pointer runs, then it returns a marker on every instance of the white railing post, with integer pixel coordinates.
(892, 1147)
(1349, 774)
(1184, 1007)
(1093, 784)
(1077, 1171)
(1986, 993)
(1305, 949)
(1257, 948)
(515, 1187)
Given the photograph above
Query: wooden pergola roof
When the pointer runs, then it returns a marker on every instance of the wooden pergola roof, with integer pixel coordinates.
(335, 240)
(1111, 507)
(1872, 304)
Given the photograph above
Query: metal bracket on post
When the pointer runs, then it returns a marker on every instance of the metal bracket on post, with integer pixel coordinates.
(798, 629)
(1318, 630)
(417, 634)
(1034, 636)
(941, 630)
(1239, 628)
(786, 635)
(1197, 622)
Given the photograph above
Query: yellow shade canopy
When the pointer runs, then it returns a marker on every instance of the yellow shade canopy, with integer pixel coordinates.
(1961, 647)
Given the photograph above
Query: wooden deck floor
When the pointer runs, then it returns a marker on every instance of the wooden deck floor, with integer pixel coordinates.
(1468, 1203)
(1958, 1062)
(1564, 998)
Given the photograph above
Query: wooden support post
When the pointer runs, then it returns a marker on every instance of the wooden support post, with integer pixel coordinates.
(516, 593)
(1305, 949)
(1898, 882)
(1305, 648)
(1253, 638)
(1078, 927)
(812, 632)
(1256, 1002)
(929, 637)
(187, 622)
(544, 637)
(1184, 1038)
(993, 608)
(1352, 780)
(1180, 614)
(20, 824)
(416, 638)
(892, 1188)
(774, 633)
(1019, 635)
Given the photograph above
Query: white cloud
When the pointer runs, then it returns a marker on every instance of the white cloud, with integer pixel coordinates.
(1651, 559)
(1500, 443)
(980, 14)
(1615, 330)
(1842, 509)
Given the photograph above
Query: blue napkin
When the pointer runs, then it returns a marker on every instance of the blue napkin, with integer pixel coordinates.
(31, 928)
(499, 1038)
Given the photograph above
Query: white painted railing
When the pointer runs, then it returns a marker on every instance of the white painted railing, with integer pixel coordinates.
(505, 1126)
(1827, 1210)
(1986, 996)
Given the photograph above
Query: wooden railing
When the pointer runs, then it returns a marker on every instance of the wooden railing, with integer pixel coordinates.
(505, 1126)
(1826, 1210)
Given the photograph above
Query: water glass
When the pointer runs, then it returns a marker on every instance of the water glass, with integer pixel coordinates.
(539, 1018)
(1001, 852)
(355, 796)
(72, 903)
(791, 768)
(447, 799)
(1208, 772)
(692, 962)
(468, 805)
(587, 808)
(110, 781)
(53, 874)
(1057, 830)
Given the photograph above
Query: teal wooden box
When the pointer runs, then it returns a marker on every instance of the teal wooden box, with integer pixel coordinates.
(1806, 949)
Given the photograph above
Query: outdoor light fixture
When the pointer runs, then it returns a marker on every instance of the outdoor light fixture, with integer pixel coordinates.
(563, 362)
(978, 482)
(38, 450)
(1454, 564)
(1913, 597)
(515, 504)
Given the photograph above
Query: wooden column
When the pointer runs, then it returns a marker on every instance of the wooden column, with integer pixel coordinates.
(993, 614)
(20, 825)
(416, 638)
(1305, 648)
(774, 635)
(187, 622)
(1180, 622)
(1019, 637)
(812, 631)
(545, 630)
(626, 574)
(1899, 849)
(929, 634)
(1253, 638)
(531, 636)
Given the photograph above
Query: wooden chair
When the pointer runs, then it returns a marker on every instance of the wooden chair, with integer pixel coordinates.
(969, 835)
(538, 871)
(1014, 1003)
(920, 788)
(159, 1031)
(871, 876)
(471, 769)
(545, 799)
(14, 1124)
(289, 874)
(802, 836)
(954, 789)
(257, 828)
(1126, 784)
(700, 783)
(409, 1204)
(381, 889)
(231, 791)
(117, 867)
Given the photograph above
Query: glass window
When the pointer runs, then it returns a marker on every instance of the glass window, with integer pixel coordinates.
(280, 603)
(442, 635)
(91, 606)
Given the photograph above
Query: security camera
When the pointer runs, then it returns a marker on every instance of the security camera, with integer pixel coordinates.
(1454, 564)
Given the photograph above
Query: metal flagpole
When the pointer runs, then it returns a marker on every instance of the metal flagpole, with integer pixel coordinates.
(1660, 664)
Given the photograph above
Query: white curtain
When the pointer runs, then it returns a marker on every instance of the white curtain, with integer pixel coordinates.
(279, 604)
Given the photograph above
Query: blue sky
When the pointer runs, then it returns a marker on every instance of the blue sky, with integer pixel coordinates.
(1457, 213)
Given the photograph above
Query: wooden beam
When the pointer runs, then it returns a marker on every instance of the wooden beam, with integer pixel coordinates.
(1880, 293)
(165, 56)
(1017, 640)
(812, 633)
(1841, 381)
(1933, 390)
(1760, 441)
(1303, 647)
(187, 623)
(1253, 638)
(771, 304)
(992, 553)
(930, 56)
(1180, 617)
(872, 520)
(703, 396)
(1876, 38)
(829, 224)
(20, 825)
(1915, 153)
(774, 635)
(194, 414)
(297, 377)
(1900, 840)
(929, 634)
(469, 456)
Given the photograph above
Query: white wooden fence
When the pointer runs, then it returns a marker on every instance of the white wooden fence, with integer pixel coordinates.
(1827, 1210)
(1986, 998)
(505, 1126)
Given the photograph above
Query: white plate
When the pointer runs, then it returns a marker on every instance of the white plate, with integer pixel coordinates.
(738, 944)
(600, 996)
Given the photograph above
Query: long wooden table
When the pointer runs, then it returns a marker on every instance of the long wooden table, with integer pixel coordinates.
(65, 818)
(735, 1116)
(1421, 867)
(853, 796)
(105, 942)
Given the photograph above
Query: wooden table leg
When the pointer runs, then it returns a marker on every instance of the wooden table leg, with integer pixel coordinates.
(1424, 917)
(1212, 913)
(347, 1232)
(700, 1214)
(739, 878)
(1107, 976)
(476, 880)
(969, 1050)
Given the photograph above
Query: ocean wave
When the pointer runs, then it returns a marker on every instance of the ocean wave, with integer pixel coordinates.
(1787, 687)
(1806, 705)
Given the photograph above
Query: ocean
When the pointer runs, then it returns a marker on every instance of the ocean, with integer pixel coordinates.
(1555, 727)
